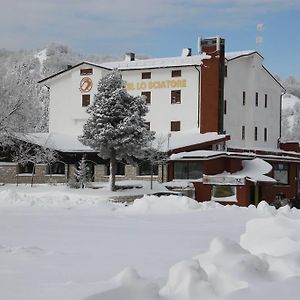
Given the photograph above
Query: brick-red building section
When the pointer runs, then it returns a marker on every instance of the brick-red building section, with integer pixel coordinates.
(210, 92)
(269, 191)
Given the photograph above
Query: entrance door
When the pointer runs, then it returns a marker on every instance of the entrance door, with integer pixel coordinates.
(255, 194)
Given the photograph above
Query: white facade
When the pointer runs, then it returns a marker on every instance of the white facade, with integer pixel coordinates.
(66, 114)
(161, 110)
(251, 123)
(245, 75)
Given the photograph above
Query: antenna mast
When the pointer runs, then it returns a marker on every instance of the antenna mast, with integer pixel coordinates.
(260, 27)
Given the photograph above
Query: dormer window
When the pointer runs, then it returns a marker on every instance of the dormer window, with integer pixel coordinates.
(146, 75)
(176, 73)
(88, 71)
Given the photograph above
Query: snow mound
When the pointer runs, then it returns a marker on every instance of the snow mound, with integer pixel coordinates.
(187, 280)
(266, 209)
(129, 285)
(162, 205)
(55, 199)
(269, 251)
(275, 236)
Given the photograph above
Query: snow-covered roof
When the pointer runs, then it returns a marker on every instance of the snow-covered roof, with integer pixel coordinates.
(164, 62)
(199, 154)
(181, 139)
(56, 141)
(236, 54)
(253, 170)
(71, 68)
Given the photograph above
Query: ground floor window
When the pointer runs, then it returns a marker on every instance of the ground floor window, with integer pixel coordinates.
(224, 193)
(188, 170)
(26, 168)
(281, 173)
(145, 168)
(57, 168)
(120, 169)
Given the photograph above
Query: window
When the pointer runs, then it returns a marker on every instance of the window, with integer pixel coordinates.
(146, 75)
(266, 134)
(266, 100)
(243, 132)
(225, 107)
(86, 100)
(56, 168)
(147, 96)
(147, 124)
(176, 73)
(26, 168)
(145, 168)
(88, 71)
(256, 99)
(219, 192)
(281, 173)
(175, 125)
(244, 98)
(120, 169)
(176, 97)
(188, 170)
(255, 133)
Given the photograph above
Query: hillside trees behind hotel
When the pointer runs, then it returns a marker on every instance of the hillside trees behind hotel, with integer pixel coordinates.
(19, 103)
(23, 101)
(116, 127)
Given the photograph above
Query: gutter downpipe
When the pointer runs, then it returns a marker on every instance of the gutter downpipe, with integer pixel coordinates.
(198, 102)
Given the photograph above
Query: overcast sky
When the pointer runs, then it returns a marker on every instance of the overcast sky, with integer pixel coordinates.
(156, 27)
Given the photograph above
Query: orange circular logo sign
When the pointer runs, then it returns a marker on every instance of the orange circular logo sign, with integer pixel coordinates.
(86, 84)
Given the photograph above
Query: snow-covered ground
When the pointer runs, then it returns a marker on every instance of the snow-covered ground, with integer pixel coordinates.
(63, 244)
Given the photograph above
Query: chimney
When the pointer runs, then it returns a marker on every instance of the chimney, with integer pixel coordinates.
(186, 52)
(129, 56)
(212, 85)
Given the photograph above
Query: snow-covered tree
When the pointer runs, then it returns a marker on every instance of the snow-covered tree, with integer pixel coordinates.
(25, 153)
(82, 172)
(116, 127)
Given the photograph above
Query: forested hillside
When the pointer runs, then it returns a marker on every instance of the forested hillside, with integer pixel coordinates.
(24, 102)
(291, 110)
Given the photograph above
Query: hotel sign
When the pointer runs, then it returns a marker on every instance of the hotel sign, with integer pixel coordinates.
(223, 180)
(158, 84)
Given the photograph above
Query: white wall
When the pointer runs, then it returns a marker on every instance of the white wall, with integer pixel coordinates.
(243, 74)
(247, 74)
(66, 114)
(161, 111)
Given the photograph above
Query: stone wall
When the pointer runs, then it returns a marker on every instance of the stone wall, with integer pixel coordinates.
(9, 174)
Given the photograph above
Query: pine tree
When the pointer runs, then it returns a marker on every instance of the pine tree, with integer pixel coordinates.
(82, 173)
(116, 126)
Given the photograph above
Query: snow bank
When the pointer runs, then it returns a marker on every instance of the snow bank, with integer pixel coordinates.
(187, 280)
(162, 205)
(129, 285)
(268, 255)
(168, 205)
(275, 236)
(53, 199)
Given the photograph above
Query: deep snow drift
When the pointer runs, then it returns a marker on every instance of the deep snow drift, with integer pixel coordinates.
(57, 243)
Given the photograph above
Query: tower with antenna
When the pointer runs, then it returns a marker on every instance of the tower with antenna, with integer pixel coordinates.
(260, 27)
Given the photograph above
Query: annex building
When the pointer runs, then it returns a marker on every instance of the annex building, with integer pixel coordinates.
(216, 114)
